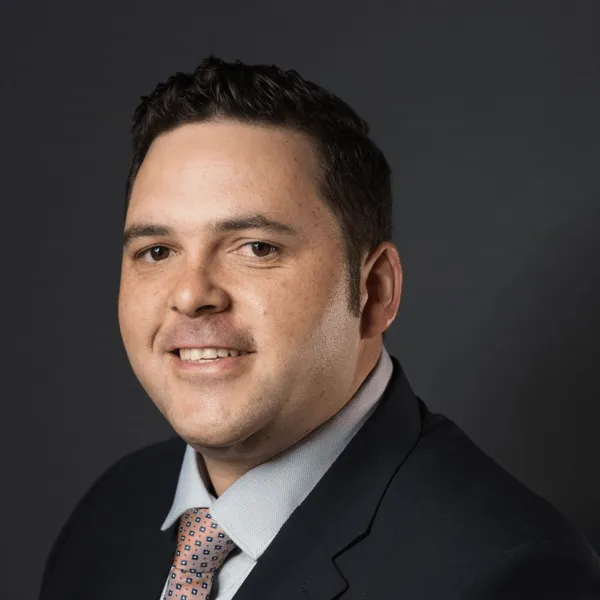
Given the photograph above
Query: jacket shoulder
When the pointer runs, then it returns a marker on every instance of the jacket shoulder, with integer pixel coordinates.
(148, 462)
(154, 466)
(469, 497)
(451, 510)
(533, 570)
(150, 472)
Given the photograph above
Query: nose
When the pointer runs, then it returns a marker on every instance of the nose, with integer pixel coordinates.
(196, 291)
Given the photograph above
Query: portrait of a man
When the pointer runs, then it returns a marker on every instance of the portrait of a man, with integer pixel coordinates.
(258, 279)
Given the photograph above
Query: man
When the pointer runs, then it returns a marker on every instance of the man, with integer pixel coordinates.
(258, 277)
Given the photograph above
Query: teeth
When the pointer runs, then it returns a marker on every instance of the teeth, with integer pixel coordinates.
(207, 353)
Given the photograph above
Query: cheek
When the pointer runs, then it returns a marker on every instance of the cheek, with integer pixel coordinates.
(298, 308)
(137, 311)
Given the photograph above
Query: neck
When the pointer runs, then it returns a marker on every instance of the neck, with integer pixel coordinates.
(224, 466)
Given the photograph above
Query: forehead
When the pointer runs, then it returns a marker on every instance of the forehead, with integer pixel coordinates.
(202, 171)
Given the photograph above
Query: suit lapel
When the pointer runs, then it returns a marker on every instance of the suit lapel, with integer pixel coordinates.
(295, 566)
(299, 562)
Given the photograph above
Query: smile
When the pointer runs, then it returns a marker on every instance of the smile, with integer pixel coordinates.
(205, 366)
(197, 354)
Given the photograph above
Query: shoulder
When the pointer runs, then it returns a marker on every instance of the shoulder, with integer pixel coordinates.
(539, 569)
(147, 463)
(467, 515)
(135, 472)
(148, 473)
(153, 467)
(473, 496)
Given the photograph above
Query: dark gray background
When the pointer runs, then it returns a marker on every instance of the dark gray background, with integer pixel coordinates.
(489, 115)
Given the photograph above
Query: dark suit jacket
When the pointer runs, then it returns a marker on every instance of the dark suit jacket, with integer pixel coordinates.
(411, 509)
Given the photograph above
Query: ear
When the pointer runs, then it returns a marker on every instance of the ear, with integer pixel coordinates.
(381, 288)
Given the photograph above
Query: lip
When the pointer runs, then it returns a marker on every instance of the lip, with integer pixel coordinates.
(219, 366)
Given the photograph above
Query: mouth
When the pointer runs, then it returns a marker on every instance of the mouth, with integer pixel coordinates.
(195, 355)
(190, 365)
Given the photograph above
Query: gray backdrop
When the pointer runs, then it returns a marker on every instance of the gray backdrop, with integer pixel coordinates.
(489, 115)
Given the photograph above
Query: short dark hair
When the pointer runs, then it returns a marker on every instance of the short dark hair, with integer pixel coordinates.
(355, 176)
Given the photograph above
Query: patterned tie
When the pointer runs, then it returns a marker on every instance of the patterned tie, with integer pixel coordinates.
(201, 549)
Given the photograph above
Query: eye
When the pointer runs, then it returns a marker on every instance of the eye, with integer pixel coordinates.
(156, 252)
(261, 247)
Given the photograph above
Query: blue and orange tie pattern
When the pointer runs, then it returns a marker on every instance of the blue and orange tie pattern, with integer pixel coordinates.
(202, 548)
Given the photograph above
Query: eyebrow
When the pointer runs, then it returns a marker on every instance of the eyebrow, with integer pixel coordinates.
(250, 221)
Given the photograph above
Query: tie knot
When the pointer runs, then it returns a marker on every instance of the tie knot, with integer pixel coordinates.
(202, 545)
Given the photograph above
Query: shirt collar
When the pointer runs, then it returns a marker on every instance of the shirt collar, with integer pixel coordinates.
(255, 507)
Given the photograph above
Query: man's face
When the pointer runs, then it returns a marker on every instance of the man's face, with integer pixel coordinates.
(281, 295)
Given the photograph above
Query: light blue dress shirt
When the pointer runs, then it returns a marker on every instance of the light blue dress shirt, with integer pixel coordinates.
(255, 507)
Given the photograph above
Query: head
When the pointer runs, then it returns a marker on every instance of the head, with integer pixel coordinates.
(258, 217)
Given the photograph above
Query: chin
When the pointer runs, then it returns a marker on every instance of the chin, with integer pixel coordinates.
(201, 433)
